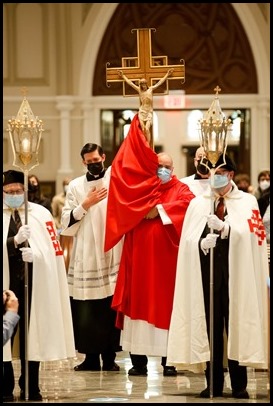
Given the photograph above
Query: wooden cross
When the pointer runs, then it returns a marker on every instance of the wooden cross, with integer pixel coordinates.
(217, 90)
(144, 65)
(154, 70)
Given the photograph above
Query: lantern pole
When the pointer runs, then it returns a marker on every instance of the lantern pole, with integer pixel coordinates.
(25, 133)
(214, 129)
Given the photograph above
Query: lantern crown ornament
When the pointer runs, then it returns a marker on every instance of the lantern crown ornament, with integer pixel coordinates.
(25, 131)
(214, 130)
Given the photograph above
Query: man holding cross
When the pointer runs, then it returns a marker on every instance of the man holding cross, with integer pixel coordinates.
(146, 204)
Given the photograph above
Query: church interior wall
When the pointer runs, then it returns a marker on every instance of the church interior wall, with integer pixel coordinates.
(57, 68)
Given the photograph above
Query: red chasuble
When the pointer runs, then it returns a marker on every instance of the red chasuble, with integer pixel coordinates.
(134, 185)
(146, 278)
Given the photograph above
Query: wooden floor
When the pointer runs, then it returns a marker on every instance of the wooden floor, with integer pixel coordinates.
(59, 383)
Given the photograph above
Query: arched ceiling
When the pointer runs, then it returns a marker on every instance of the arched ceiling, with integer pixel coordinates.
(209, 37)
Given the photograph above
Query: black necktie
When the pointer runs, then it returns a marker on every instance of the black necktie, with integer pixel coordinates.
(220, 210)
(17, 219)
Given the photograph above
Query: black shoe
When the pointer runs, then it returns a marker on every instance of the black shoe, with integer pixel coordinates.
(113, 368)
(84, 366)
(240, 394)
(206, 393)
(169, 371)
(138, 371)
(8, 398)
(32, 396)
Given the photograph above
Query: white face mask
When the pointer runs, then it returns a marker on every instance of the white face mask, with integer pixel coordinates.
(13, 201)
(220, 181)
(164, 174)
(264, 184)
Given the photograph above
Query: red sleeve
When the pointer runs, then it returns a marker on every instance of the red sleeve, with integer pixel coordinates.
(134, 185)
(176, 209)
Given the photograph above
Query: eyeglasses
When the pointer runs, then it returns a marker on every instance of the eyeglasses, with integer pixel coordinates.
(14, 192)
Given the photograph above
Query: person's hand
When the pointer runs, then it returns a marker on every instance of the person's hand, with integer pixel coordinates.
(209, 241)
(153, 213)
(27, 254)
(215, 223)
(11, 301)
(22, 235)
(94, 196)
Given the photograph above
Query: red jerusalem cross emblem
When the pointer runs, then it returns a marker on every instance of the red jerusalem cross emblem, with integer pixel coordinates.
(53, 237)
(256, 226)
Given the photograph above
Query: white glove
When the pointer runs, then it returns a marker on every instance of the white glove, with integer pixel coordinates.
(27, 254)
(209, 241)
(22, 235)
(215, 223)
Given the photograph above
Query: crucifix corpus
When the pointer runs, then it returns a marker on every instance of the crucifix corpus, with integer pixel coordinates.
(145, 73)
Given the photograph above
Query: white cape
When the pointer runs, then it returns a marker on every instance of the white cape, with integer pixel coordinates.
(197, 186)
(50, 334)
(248, 273)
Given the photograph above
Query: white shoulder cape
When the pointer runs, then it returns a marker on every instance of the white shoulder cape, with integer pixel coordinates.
(50, 334)
(197, 186)
(248, 273)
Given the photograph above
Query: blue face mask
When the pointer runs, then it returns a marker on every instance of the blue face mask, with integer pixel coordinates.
(13, 201)
(164, 174)
(220, 181)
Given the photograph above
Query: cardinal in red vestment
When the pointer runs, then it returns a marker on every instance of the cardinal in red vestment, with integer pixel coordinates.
(146, 205)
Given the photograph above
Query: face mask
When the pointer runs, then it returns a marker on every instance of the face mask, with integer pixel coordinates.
(202, 168)
(264, 184)
(33, 188)
(164, 174)
(95, 168)
(220, 181)
(13, 201)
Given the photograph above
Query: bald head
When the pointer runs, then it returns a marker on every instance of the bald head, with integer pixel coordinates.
(200, 152)
(165, 159)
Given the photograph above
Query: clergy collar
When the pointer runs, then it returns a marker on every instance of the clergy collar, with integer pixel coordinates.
(90, 177)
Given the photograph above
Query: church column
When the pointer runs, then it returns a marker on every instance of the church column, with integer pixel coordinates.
(64, 105)
(259, 139)
(91, 123)
(264, 124)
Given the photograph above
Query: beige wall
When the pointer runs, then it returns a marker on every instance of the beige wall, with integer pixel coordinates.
(51, 49)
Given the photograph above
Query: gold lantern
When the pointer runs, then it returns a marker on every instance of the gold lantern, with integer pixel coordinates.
(25, 133)
(214, 131)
